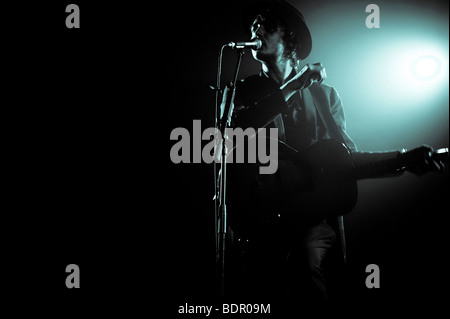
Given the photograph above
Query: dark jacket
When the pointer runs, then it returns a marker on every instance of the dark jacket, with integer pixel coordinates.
(311, 115)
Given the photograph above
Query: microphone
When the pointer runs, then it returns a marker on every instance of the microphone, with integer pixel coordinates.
(254, 44)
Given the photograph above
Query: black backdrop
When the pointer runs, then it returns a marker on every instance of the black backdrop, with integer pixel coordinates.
(89, 113)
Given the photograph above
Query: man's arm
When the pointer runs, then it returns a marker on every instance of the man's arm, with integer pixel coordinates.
(258, 102)
(384, 163)
(305, 78)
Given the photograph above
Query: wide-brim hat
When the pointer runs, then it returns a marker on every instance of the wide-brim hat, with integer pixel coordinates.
(288, 14)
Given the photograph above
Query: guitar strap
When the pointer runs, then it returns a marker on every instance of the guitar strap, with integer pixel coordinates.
(321, 103)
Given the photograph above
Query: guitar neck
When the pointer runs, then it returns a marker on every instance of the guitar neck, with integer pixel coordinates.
(369, 165)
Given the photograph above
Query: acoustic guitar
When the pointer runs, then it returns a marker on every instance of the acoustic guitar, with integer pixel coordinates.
(313, 184)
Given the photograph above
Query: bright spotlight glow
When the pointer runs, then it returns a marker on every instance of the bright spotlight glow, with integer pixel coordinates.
(410, 73)
(426, 67)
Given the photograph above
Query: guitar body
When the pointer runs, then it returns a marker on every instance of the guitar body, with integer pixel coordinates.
(307, 187)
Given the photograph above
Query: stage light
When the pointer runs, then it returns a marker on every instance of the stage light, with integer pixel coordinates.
(409, 74)
(426, 67)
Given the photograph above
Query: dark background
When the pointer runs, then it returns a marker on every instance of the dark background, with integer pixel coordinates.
(87, 120)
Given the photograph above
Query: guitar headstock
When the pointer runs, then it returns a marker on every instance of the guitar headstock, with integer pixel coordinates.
(441, 155)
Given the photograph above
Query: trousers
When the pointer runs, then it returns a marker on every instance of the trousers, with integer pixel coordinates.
(281, 266)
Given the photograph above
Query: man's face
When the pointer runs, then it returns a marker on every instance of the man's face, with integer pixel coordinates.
(271, 36)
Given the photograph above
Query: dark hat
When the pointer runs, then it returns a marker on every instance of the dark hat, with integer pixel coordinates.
(290, 17)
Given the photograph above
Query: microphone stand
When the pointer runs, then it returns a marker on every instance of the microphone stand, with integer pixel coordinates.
(220, 189)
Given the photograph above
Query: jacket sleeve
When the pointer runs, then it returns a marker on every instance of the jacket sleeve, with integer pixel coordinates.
(368, 164)
(337, 111)
(257, 104)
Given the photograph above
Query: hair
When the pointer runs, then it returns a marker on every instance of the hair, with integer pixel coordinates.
(290, 49)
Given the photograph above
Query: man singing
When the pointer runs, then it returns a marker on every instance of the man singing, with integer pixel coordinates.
(274, 259)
